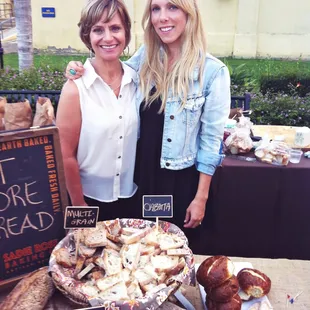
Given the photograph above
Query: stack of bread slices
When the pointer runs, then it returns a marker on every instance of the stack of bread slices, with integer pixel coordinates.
(119, 263)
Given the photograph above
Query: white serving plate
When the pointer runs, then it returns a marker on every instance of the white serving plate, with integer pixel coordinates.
(245, 304)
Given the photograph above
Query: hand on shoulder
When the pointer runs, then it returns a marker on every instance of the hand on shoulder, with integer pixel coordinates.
(74, 70)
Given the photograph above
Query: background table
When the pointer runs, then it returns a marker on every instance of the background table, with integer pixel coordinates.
(288, 132)
(257, 210)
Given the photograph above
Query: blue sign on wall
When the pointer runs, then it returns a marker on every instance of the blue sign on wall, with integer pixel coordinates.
(157, 206)
(48, 12)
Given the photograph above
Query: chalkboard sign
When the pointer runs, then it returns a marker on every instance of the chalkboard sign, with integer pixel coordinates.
(81, 217)
(157, 206)
(32, 199)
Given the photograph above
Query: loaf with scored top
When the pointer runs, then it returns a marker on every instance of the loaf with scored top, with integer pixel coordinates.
(32, 292)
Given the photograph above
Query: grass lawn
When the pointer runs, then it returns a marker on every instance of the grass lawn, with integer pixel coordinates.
(256, 67)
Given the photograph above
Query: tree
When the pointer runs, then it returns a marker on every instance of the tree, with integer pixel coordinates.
(23, 21)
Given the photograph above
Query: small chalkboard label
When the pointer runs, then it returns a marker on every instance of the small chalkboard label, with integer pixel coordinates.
(81, 217)
(157, 206)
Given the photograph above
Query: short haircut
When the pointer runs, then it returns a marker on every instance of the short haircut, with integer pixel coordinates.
(92, 13)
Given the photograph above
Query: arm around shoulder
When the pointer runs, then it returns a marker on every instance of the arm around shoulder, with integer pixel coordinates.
(136, 60)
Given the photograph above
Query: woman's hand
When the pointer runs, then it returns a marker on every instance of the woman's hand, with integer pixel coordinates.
(195, 213)
(74, 70)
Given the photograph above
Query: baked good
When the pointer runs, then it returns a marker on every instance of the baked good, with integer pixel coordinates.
(225, 291)
(234, 304)
(253, 282)
(214, 271)
(33, 292)
(117, 263)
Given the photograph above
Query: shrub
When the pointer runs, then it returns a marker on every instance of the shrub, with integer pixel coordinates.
(43, 78)
(241, 77)
(286, 83)
(280, 109)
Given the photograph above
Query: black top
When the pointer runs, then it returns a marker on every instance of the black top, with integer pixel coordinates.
(154, 180)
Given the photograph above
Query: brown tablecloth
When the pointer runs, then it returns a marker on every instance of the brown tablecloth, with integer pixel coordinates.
(289, 277)
(258, 210)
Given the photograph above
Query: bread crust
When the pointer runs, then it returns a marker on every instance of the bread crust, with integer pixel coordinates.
(32, 292)
(234, 304)
(214, 271)
(225, 291)
(253, 282)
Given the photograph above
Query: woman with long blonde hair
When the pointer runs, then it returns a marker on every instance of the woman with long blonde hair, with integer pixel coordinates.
(184, 101)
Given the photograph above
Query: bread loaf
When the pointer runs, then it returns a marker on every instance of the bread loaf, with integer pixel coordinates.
(225, 291)
(234, 304)
(214, 271)
(253, 282)
(33, 292)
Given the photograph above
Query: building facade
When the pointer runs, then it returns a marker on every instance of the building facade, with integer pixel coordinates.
(238, 28)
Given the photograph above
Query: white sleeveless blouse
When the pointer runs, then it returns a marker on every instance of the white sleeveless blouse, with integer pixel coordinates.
(107, 146)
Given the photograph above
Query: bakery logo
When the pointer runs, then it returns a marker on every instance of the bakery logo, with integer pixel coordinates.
(157, 206)
(27, 142)
(81, 217)
(28, 256)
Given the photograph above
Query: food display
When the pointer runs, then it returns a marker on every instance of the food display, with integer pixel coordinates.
(227, 289)
(33, 292)
(254, 283)
(128, 263)
(239, 142)
(216, 275)
(276, 153)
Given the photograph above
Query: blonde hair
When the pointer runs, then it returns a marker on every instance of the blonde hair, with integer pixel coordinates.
(92, 13)
(192, 55)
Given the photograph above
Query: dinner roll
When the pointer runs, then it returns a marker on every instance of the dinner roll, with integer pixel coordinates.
(214, 271)
(253, 282)
(225, 291)
(234, 304)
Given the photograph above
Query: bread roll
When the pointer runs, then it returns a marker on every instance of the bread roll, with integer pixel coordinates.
(33, 292)
(214, 271)
(234, 304)
(225, 291)
(253, 282)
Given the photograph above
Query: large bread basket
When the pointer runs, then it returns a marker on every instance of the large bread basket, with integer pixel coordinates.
(70, 286)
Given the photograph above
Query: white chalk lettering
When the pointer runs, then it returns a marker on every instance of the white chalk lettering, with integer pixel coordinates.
(155, 207)
(1, 169)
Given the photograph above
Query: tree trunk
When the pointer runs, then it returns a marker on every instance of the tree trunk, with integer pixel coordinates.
(24, 33)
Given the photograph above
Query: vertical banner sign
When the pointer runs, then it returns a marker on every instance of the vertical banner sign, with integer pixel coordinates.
(32, 200)
(157, 206)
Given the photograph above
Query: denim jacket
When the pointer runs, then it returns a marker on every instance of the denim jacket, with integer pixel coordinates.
(194, 134)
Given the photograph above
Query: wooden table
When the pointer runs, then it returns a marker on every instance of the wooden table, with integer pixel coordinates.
(287, 276)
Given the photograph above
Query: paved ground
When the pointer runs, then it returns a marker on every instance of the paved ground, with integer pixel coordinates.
(11, 45)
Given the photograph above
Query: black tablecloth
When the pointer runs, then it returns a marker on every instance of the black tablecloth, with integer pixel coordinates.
(258, 210)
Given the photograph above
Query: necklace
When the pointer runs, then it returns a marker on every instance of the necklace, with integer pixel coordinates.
(114, 89)
(116, 79)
